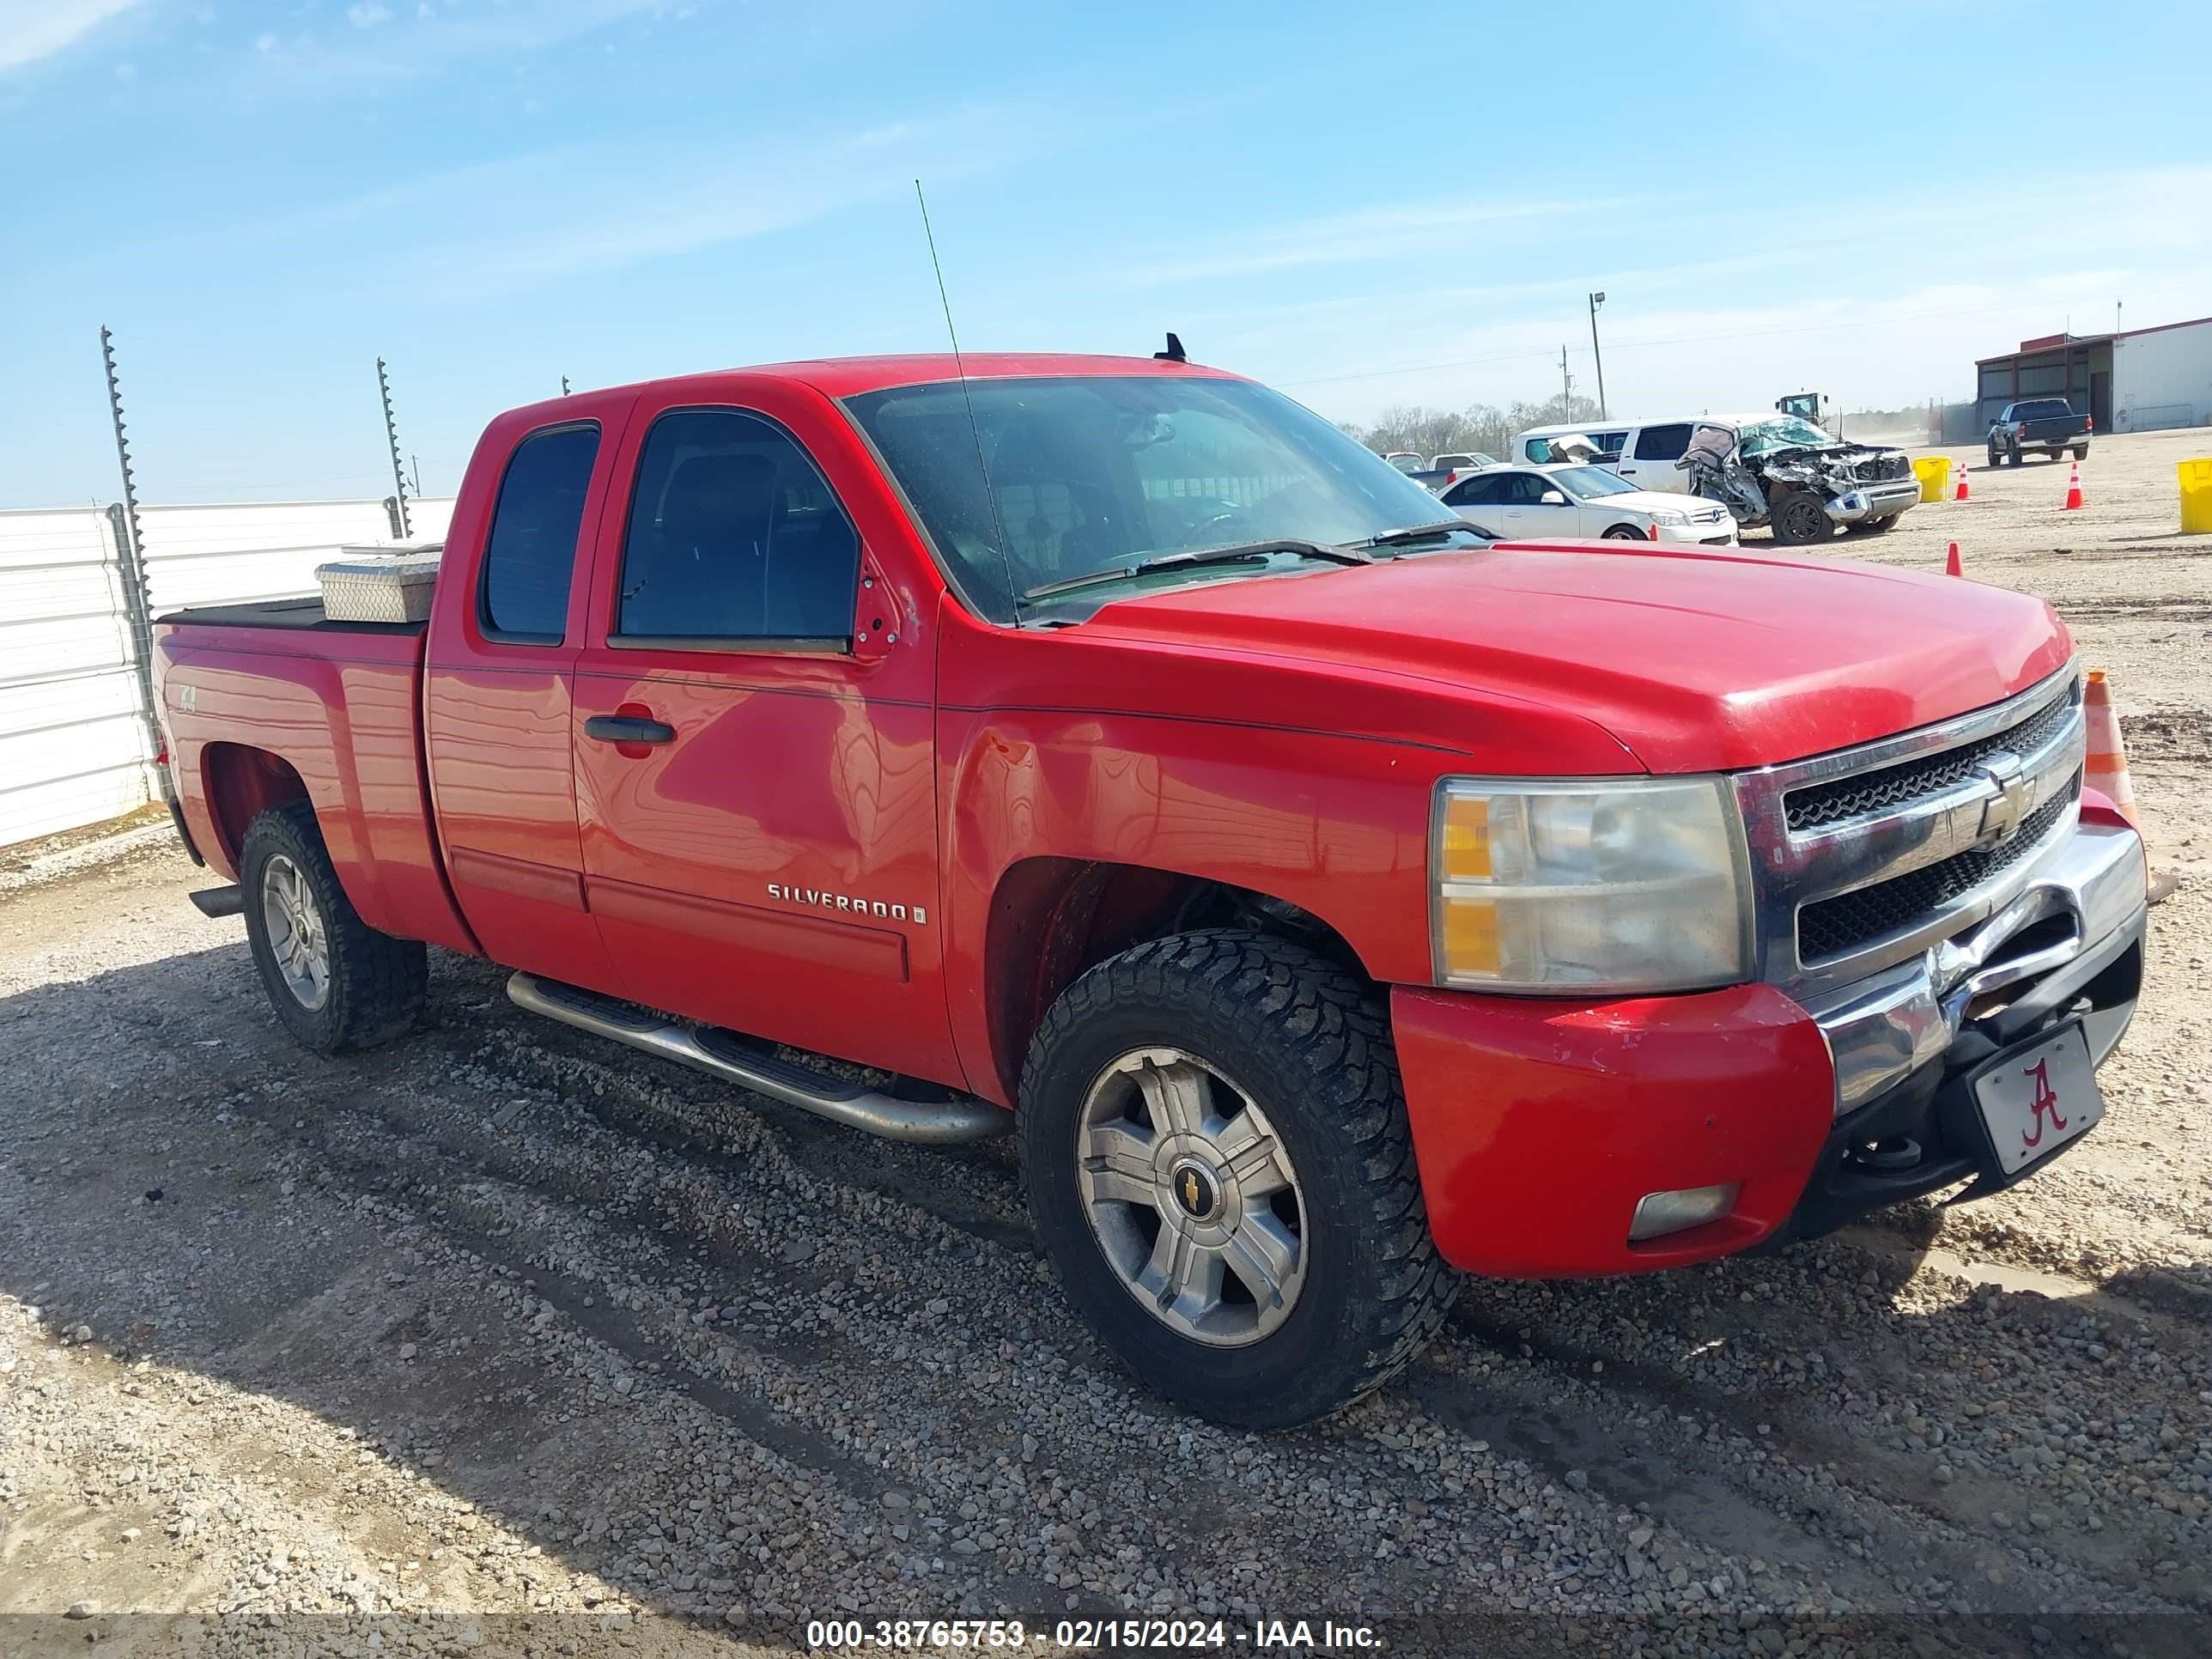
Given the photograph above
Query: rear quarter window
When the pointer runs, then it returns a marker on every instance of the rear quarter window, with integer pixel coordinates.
(531, 555)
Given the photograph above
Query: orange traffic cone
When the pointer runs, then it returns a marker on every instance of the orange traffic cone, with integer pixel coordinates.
(1655, 530)
(2105, 770)
(1962, 492)
(2073, 488)
(1951, 565)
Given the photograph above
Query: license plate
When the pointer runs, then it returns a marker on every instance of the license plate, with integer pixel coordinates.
(2038, 1098)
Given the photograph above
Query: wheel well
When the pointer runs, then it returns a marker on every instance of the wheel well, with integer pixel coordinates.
(243, 783)
(1053, 918)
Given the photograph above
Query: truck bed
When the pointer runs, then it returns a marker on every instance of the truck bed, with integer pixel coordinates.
(273, 699)
(300, 613)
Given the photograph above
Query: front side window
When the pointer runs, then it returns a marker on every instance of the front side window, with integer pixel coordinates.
(1094, 473)
(733, 535)
(1586, 482)
(531, 553)
(1662, 443)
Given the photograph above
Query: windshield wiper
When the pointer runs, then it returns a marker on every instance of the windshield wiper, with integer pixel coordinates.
(1417, 532)
(1238, 554)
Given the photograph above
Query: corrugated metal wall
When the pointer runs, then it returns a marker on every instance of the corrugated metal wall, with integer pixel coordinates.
(72, 745)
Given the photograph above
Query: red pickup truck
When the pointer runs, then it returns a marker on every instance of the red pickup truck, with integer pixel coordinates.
(1329, 897)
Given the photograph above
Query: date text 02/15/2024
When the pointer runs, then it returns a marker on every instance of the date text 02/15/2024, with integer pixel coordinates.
(1092, 1635)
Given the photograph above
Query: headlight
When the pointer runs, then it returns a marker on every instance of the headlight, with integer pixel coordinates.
(1668, 515)
(1619, 885)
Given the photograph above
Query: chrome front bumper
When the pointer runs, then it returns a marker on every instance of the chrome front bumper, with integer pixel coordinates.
(1879, 500)
(2082, 908)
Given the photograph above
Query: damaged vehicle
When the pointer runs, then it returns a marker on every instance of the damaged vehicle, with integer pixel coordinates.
(1782, 472)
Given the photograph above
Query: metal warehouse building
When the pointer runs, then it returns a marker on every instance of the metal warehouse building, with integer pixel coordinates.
(2138, 380)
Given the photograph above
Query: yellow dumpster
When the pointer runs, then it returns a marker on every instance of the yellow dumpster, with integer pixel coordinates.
(2195, 498)
(1933, 472)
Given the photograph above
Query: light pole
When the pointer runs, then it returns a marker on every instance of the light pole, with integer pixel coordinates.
(1595, 301)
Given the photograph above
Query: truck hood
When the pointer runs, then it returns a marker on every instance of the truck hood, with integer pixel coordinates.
(1694, 658)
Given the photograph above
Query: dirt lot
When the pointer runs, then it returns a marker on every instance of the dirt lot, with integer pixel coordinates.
(507, 1340)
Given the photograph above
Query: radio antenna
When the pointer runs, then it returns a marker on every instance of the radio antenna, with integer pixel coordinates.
(975, 430)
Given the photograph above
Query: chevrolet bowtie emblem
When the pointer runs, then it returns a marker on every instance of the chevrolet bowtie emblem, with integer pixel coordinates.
(1190, 1192)
(2001, 816)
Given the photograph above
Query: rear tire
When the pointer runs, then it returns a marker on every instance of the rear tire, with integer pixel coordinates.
(2080, 452)
(336, 982)
(1284, 1063)
(1798, 519)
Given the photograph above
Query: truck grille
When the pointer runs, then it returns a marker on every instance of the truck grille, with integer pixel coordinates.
(1834, 926)
(1825, 803)
(1881, 469)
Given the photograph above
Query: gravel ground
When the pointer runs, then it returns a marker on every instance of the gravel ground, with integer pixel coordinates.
(507, 1340)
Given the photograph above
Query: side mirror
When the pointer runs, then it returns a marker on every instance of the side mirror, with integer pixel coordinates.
(1552, 498)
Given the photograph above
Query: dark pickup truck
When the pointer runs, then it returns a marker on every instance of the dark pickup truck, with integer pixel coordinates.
(2049, 425)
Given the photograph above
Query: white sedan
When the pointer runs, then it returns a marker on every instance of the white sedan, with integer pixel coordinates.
(1542, 503)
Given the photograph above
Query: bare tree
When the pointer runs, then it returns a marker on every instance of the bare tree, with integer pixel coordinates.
(1478, 427)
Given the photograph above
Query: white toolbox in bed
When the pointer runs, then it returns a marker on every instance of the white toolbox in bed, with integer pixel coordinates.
(380, 585)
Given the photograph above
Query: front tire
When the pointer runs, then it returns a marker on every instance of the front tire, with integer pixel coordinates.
(336, 982)
(1627, 532)
(1217, 1158)
(1799, 519)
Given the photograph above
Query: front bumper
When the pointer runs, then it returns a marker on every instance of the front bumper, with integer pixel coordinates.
(1876, 501)
(1539, 1124)
(1718, 532)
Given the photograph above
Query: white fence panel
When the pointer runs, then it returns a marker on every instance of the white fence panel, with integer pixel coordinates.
(235, 553)
(72, 749)
(73, 746)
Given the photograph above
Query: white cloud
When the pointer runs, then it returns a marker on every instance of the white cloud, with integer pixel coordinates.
(264, 43)
(33, 29)
(368, 14)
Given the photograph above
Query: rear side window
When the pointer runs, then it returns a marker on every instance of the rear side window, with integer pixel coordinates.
(1609, 444)
(1474, 492)
(532, 549)
(1662, 443)
(733, 535)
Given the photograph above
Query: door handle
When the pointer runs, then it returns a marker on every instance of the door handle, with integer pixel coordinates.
(627, 728)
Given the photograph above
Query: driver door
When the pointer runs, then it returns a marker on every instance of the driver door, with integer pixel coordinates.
(1528, 516)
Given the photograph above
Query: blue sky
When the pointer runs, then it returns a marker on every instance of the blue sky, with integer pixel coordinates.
(1365, 204)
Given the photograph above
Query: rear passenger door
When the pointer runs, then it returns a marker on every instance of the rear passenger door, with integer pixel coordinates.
(1653, 460)
(1481, 502)
(753, 754)
(510, 617)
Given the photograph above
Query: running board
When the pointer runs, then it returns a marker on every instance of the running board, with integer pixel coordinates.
(726, 1056)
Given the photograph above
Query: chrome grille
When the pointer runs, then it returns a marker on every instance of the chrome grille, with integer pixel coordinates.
(1838, 925)
(1892, 786)
(1862, 858)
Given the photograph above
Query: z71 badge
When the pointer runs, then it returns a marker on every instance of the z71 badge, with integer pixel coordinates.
(849, 903)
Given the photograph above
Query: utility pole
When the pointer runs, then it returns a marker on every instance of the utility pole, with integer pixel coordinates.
(392, 435)
(1566, 388)
(1596, 299)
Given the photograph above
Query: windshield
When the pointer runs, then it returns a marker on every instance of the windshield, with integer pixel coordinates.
(1093, 473)
(1588, 480)
(1783, 432)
